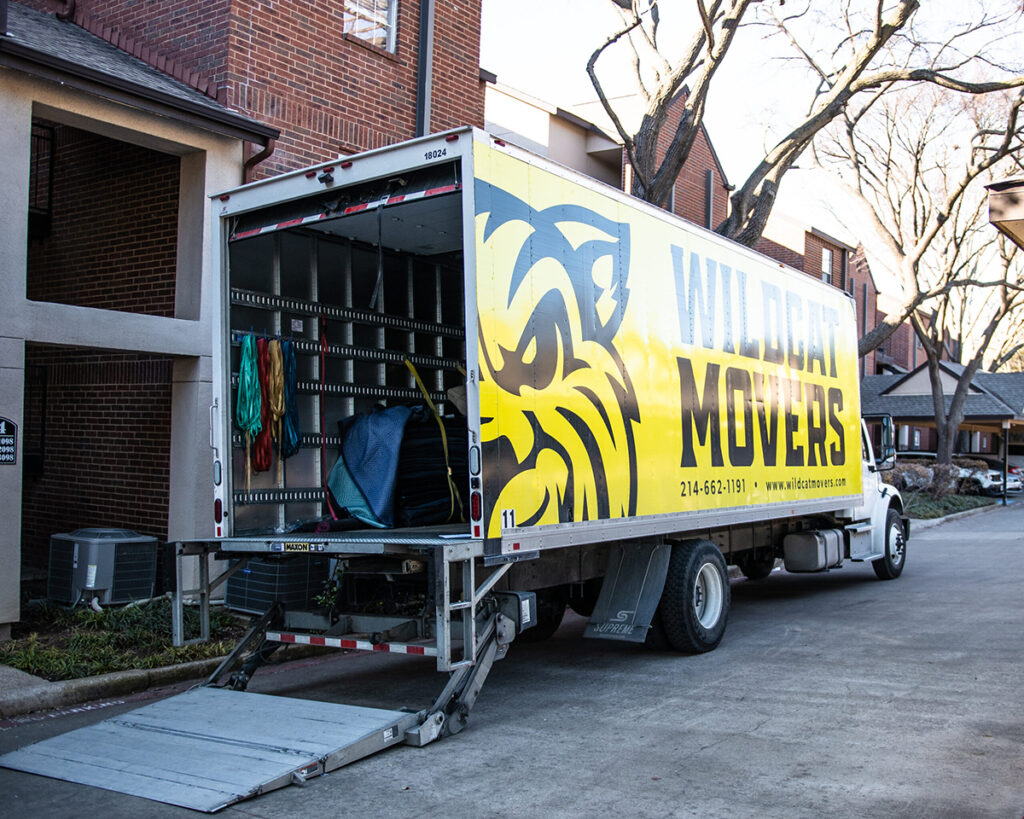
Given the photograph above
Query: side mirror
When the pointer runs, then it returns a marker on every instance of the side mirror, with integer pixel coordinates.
(887, 456)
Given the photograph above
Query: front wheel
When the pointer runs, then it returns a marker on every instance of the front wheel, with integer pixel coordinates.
(695, 604)
(890, 565)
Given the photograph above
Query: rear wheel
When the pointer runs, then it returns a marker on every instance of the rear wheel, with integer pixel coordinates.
(550, 611)
(890, 565)
(695, 604)
(656, 639)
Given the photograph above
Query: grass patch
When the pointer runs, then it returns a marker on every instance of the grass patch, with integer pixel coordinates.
(63, 644)
(924, 507)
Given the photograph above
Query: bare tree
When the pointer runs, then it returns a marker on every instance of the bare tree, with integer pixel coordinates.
(977, 326)
(1008, 355)
(875, 49)
(914, 162)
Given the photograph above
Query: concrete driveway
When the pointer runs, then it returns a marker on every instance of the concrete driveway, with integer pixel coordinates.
(833, 694)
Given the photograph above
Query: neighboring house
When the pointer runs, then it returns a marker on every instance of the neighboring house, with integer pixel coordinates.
(1006, 208)
(700, 194)
(994, 408)
(549, 131)
(121, 119)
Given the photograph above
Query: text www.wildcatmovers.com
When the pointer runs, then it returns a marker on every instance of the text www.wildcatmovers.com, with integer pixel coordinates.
(805, 483)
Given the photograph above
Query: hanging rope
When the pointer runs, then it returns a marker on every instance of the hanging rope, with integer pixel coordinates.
(248, 406)
(291, 435)
(275, 395)
(453, 490)
(263, 447)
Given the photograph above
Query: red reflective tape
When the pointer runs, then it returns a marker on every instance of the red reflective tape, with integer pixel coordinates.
(382, 647)
(317, 641)
(245, 234)
(414, 649)
(445, 189)
(356, 208)
(347, 644)
(286, 638)
(394, 200)
(288, 224)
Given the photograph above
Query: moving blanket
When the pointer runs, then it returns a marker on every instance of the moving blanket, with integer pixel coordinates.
(363, 479)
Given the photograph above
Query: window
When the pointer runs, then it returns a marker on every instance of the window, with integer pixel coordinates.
(372, 21)
(826, 264)
(40, 181)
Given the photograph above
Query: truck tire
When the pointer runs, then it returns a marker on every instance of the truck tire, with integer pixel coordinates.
(695, 604)
(656, 639)
(550, 611)
(754, 568)
(890, 565)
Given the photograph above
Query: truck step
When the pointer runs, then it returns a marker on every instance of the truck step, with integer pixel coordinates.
(420, 649)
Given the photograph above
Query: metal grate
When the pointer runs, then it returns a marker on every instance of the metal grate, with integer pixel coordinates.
(134, 572)
(58, 579)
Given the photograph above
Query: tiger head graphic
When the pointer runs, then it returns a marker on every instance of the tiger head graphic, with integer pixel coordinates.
(557, 405)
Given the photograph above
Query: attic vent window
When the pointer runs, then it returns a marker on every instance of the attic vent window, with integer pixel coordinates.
(40, 181)
(372, 21)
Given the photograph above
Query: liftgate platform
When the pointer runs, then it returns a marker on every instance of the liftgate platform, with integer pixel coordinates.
(208, 748)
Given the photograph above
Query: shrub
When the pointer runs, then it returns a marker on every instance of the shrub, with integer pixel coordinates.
(945, 481)
(971, 463)
(909, 477)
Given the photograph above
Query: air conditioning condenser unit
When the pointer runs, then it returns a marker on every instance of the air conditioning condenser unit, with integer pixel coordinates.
(112, 565)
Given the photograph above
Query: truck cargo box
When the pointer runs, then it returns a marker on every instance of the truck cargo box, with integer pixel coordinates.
(618, 372)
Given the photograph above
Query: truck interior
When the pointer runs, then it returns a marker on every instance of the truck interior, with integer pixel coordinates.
(361, 280)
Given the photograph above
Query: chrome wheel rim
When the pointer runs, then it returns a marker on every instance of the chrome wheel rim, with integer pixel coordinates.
(708, 595)
(896, 545)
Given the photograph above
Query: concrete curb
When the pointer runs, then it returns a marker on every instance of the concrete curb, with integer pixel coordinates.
(47, 695)
(103, 686)
(917, 524)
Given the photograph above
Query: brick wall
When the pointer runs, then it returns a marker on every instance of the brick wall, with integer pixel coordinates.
(813, 262)
(193, 32)
(289, 65)
(106, 460)
(900, 347)
(689, 192)
(861, 286)
(114, 226)
(780, 253)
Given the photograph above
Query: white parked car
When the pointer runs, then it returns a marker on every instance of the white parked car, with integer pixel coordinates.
(989, 479)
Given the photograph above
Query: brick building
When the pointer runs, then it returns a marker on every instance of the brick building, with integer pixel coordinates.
(138, 112)
(700, 194)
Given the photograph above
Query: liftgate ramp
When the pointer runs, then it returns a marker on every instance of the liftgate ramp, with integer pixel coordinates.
(210, 747)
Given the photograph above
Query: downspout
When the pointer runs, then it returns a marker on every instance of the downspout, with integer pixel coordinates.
(3, 18)
(256, 159)
(425, 68)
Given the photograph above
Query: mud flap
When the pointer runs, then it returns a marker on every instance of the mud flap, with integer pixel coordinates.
(631, 591)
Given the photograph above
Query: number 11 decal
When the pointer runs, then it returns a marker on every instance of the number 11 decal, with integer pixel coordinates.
(508, 518)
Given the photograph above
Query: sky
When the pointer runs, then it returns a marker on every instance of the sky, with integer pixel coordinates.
(542, 47)
(549, 61)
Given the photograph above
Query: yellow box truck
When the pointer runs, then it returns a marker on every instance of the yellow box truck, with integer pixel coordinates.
(485, 388)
